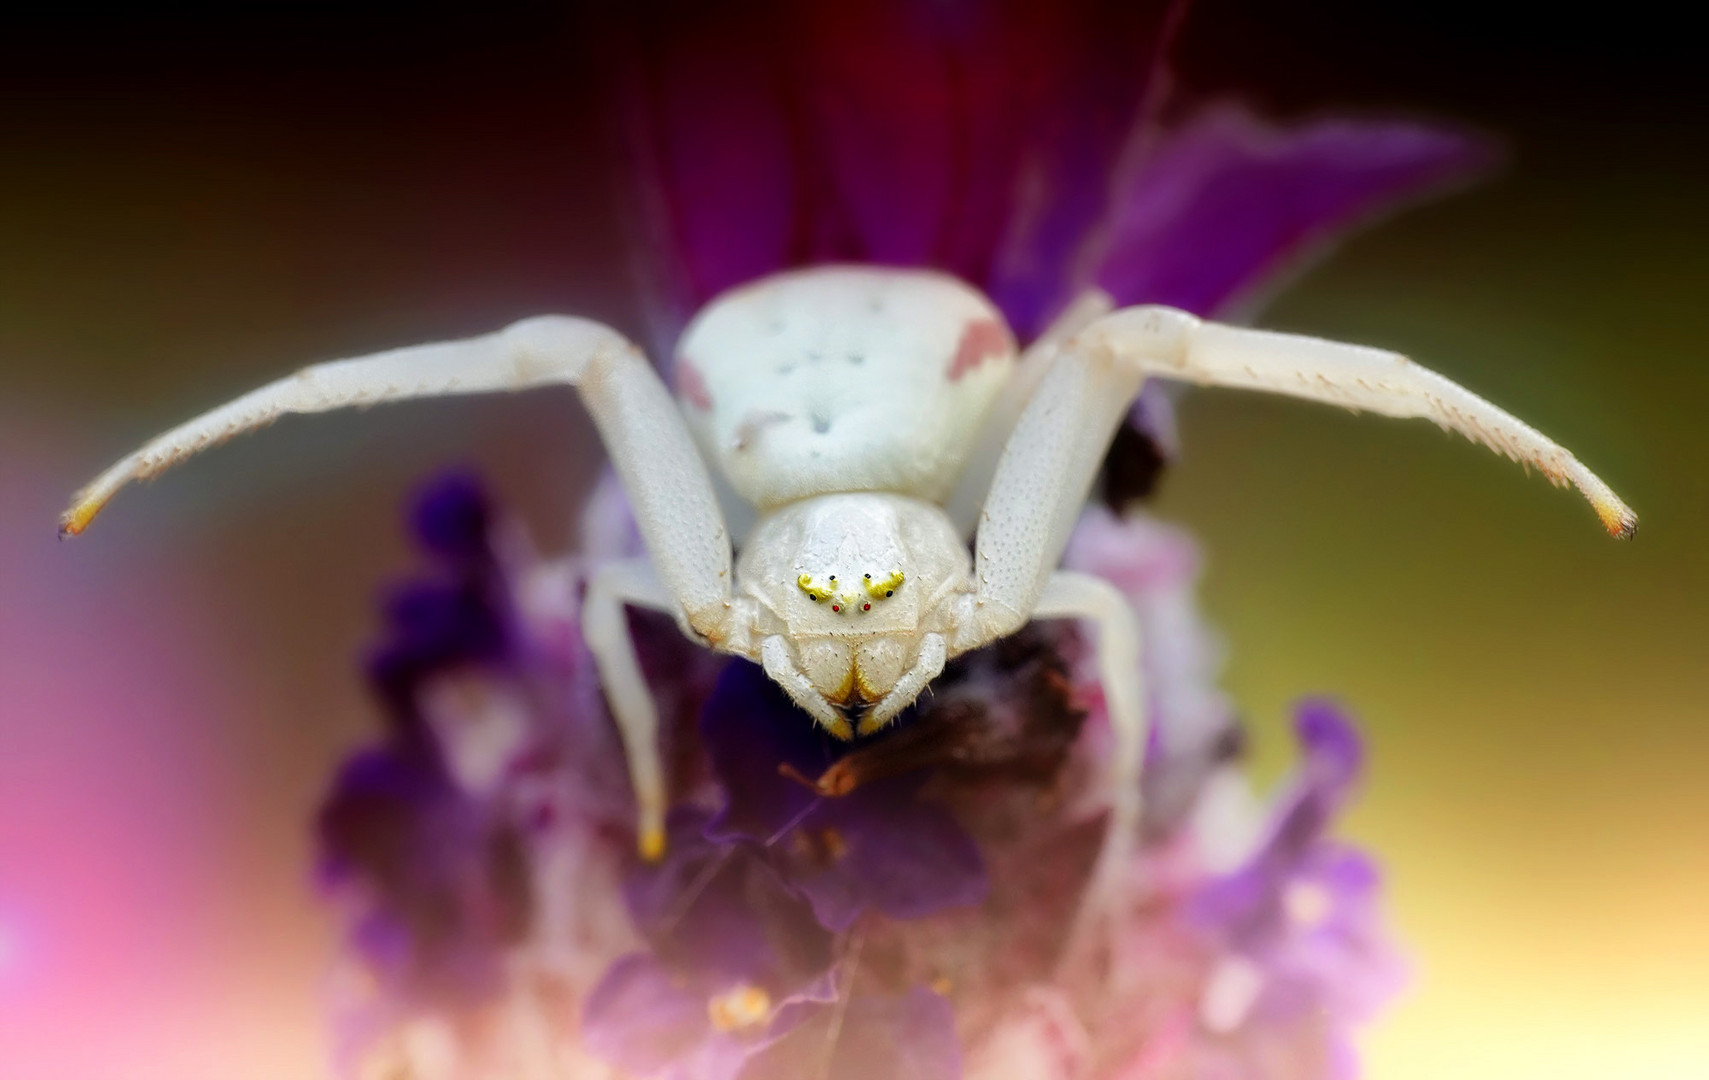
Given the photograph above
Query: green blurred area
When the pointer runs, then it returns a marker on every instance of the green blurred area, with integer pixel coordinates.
(1537, 696)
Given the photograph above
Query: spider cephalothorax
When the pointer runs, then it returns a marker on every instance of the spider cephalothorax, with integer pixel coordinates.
(875, 421)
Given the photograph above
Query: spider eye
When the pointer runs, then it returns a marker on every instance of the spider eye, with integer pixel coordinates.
(817, 592)
(886, 586)
(836, 607)
(866, 607)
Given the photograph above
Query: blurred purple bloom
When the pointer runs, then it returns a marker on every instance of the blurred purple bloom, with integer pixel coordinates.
(1226, 202)
(458, 617)
(1016, 145)
(1302, 910)
(444, 879)
(447, 886)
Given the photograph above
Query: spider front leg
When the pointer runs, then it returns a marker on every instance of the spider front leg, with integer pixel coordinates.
(1056, 447)
(663, 475)
(606, 630)
(1174, 345)
(1120, 644)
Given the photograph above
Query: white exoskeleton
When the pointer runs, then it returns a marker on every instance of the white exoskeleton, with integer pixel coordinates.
(877, 420)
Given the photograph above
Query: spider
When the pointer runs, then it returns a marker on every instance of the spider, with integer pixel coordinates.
(876, 420)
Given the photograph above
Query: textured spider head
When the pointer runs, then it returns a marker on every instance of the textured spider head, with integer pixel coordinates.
(853, 578)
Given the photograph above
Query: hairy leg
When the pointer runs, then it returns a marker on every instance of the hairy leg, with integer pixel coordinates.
(662, 473)
(1057, 445)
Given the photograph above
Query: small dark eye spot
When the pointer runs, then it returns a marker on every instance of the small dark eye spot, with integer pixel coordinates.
(815, 599)
(833, 577)
(867, 576)
(889, 592)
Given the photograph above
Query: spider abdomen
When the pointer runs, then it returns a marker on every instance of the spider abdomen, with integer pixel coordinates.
(842, 378)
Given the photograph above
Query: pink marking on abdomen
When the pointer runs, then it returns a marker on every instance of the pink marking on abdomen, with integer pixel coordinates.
(691, 385)
(980, 341)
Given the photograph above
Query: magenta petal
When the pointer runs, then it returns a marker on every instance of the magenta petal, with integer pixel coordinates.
(885, 119)
(1089, 106)
(1226, 201)
(973, 138)
(711, 143)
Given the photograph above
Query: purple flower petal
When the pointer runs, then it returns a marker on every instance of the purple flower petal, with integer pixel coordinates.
(713, 150)
(644, 1018)
(971, 138)
(1337, 956)
(1247, 905)
(719, 911)
(1105, 58)
(436, 624)
(448, 887)
(879, 846)
(1227, 201)
(750, 729)
(883, 849)
(451, 518)
(909, 1037)
(1303, 910)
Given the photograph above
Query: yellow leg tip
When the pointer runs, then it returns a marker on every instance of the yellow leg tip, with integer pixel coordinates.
(76, 519)
(1618, 519)
(652, 844)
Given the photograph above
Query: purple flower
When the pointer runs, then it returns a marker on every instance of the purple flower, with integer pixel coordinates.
(894, 908)
(880, 847)
(445, 885)
(456, 618)
(1298, 919)
(721, 912)
(901, 906)
(1015, 145)
(442, 877)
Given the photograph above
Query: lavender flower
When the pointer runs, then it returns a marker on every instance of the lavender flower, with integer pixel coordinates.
(901, 907)
(1018, 145)
(894, 909)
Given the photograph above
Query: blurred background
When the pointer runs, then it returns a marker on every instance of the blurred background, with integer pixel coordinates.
(190, 207)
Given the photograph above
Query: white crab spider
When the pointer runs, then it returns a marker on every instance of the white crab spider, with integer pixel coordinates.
(876, 419)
